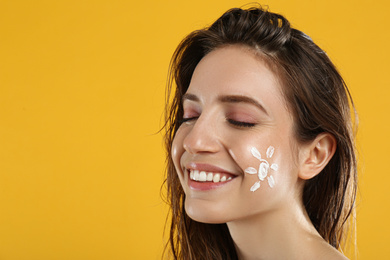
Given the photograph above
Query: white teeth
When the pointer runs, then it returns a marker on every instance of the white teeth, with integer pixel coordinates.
(202, 176)
(196, 175)
(216, 177)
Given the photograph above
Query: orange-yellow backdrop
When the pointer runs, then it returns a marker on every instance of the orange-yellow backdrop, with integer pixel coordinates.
(81, 98)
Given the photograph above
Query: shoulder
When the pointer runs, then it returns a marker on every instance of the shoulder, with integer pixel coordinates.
(319, 249)
(327, 252)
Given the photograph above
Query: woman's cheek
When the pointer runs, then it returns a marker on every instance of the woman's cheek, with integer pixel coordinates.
(259, 162)
(178, 148)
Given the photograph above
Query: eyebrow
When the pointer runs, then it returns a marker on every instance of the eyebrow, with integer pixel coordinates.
(242, 99)
(191, 97)
(230, 99)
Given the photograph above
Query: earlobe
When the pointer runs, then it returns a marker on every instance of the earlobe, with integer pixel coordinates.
(317, 155)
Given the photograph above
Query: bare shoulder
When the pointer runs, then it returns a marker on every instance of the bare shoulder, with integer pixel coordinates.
(327, 252)
(333, 255)
(319, 249)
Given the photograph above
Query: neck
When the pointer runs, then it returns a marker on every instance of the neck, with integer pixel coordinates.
(277, 234)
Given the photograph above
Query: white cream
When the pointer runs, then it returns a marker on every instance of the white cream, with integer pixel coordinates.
(270, 151)
(255, 153)
(271, 181)
(255, 186)
(264, 168)
(251, 170)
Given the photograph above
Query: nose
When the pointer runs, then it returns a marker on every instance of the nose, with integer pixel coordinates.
(202, 137)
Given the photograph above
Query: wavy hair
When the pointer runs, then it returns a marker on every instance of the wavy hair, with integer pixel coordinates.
(318, 99)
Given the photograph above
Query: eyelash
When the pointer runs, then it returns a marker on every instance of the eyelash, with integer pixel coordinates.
(183, 120)
(240, 124)
(231, 121)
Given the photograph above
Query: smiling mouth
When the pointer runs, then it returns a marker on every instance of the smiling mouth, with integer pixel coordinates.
(203, 176)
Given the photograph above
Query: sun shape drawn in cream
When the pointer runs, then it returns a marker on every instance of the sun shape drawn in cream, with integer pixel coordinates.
(263, 168)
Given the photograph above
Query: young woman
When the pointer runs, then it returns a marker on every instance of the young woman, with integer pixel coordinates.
(261, 161)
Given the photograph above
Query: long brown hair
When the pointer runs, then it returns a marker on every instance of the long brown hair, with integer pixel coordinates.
(316, 95)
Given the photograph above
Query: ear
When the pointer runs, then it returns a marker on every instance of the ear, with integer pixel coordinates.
(316, 155)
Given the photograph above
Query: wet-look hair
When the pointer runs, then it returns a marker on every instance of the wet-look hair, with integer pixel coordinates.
(316, 96)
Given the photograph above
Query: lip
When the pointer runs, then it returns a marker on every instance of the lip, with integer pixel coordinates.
(204, 186)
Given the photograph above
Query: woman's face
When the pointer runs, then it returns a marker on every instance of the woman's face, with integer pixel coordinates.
(237, 135)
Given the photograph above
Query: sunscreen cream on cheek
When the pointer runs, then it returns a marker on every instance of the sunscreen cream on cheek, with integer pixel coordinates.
(263, 169)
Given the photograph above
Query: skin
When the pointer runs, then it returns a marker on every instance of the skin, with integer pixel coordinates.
(263, 222)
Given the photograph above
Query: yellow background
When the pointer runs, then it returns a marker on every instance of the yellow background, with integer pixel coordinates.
(81, 98)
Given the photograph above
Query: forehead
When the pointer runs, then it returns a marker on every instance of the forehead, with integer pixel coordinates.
(235, 70)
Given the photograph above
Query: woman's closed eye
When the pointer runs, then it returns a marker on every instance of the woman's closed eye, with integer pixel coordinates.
(233, 122)
(241, 119)
(240, 123)
(188, 119)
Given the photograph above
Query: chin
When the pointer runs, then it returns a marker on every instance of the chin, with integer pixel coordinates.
(205, 213)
